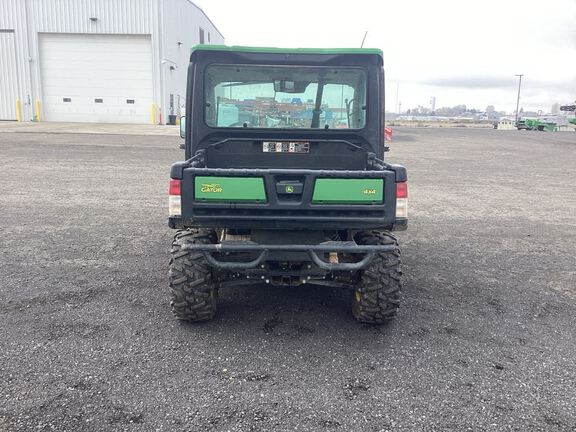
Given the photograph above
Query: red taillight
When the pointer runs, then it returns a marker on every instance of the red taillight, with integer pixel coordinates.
(387, 134)
(174, 187)
(402, 190)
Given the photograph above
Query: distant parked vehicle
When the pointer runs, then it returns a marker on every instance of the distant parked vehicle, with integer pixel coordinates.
(537, 124)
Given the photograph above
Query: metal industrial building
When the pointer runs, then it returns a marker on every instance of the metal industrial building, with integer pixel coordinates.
(118, 61)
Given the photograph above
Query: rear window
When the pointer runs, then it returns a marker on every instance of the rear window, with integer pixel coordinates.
(290, 97)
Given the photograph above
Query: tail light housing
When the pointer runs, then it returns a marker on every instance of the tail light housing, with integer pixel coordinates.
(174, 201)
(402, 200)
(387, 134)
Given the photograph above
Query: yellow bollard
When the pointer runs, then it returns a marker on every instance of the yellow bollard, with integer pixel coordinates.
(38, 110)
(18, 110)
(153, 114)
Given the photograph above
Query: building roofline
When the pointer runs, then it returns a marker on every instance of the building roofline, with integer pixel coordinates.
(207, 17)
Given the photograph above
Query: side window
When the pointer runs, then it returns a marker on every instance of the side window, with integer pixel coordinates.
(201, 35)
(208, 37)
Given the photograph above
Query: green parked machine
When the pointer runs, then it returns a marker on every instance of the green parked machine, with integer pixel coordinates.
(284, 180)
(537, 125)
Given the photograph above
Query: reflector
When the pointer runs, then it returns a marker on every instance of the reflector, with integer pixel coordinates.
(402, 208)
(174, 205)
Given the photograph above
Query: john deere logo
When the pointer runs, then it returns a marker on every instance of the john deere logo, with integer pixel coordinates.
(289, 189)
(369, 191)
(211, 188)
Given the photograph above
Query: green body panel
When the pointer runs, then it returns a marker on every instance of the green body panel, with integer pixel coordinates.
(348, 191)
(232, 189)
(272, 50)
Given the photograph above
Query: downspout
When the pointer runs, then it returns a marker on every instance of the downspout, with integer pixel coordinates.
(29, 85)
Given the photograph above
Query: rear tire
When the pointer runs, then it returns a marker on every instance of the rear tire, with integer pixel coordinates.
(377, 295)
(194, 294)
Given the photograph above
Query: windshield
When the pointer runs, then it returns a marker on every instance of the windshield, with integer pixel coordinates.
(285, 97)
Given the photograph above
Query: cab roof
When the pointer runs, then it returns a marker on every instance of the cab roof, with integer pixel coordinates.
(272, 50)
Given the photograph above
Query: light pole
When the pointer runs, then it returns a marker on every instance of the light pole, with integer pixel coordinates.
(518, 98)
(397, 93)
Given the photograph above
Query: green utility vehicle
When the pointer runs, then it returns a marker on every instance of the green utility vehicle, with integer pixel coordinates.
(284, 181)
(537, 124)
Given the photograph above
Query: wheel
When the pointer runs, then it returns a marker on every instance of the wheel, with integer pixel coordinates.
(194, 294)
(377, 295)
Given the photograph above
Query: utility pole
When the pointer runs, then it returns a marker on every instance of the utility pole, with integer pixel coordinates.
(397, 93)
(518, 98)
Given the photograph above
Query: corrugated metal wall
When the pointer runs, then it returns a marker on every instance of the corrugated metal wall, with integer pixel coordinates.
(8, 76)
(13, 17)
(182, 21)
(113, 16)
(167, 21)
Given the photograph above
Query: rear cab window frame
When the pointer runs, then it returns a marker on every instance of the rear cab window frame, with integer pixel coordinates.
(204, 91)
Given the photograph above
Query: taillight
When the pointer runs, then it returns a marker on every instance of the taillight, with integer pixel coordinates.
(174, 187)
(387, 134)
(402, 200)
(402, 190)
(174, 201)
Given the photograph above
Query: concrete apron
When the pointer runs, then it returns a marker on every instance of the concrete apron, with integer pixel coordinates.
(88, 128)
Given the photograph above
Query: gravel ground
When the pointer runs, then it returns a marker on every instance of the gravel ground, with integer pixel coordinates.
(485, 338)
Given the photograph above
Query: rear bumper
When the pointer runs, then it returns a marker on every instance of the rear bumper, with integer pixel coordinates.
(289, 222)
(313, 252)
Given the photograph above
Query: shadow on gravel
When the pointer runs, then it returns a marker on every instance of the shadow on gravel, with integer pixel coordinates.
(293, 316)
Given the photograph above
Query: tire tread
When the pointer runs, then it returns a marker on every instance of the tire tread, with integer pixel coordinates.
(193, 292)
(380, 283)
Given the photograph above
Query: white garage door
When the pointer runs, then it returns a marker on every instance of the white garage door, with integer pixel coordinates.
(96, 78)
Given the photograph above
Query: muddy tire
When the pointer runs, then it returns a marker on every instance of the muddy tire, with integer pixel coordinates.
(377, 295)
(194, 294)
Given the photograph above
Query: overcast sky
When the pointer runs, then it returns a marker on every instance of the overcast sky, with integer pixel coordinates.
(461, 52)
